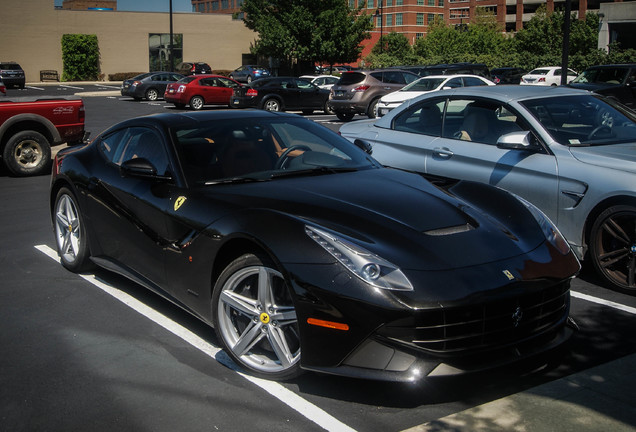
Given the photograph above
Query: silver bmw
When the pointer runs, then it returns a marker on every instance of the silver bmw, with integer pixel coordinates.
(571, 153)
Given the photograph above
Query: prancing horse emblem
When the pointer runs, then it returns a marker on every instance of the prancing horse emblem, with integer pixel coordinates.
(516, 316)
(179, 202)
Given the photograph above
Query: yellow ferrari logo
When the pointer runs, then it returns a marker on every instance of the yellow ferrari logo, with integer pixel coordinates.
(264, 318)
(179, 202)
(509, 275)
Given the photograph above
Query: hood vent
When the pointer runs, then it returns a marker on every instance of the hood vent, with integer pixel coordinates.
(450, 230)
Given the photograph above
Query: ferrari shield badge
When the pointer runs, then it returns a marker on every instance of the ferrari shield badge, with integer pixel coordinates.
(509, 275)
(179, 202)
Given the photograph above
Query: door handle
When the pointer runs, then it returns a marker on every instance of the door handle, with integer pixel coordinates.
(443, 152)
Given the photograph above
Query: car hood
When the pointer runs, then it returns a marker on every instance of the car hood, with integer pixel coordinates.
(401, 96)
(399, 215)
(615, 156)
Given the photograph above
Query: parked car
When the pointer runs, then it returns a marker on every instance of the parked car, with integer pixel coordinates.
(193, 68)
(506, 75)
(546, 76)
(3, 88)
(426, 85)
(30, 126)
(617, 81)
(281, 94)
(197, 91)
(449, 69)
(12, 74)
(569, 152)
(249, 73)
(358, 92)
(151, 85)
(241, 218)
(322, 81)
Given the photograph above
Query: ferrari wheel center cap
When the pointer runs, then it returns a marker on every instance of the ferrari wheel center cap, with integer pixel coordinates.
(264, 318)
(70, 228)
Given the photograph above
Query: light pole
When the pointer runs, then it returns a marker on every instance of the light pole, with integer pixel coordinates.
(378, 13)
(171, 41)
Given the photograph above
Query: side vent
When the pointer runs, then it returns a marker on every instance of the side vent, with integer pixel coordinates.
(450, 230)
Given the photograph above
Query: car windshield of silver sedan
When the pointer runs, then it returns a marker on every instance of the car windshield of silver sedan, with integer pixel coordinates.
(584, 120)
(244, 150)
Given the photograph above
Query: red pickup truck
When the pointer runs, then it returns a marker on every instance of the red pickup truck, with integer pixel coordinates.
(29, 127)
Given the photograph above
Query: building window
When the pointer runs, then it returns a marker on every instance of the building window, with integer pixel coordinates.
(215, 5)
(224, 4)
(389, 2)
(459, 13)
(352, 4)
(431, 2)
(370, 4)
(440, 3)
(419, 35)
(398, 19)
(419, 19)
(430, 18)
(420, 2)
(378, 21)
(159, 50)
(399, 2)
(389, 19)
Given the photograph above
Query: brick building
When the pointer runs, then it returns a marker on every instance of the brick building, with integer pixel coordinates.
(110, 5)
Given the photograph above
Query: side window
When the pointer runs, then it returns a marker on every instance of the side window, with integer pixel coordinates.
(226, 82)
(454, 83)
(304, 84)
(479, 121)
(470, 81)
(424, 118)
(393, 78)
(145, 143)
(112, 146)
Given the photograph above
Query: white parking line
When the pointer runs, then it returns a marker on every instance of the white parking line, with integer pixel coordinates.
(72, 87)
(597, 300)
(291, 399)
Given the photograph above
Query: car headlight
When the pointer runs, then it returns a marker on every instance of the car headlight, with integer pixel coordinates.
(365, 265)
(551, 232)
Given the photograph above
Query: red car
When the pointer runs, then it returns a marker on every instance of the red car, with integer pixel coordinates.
(199, 90)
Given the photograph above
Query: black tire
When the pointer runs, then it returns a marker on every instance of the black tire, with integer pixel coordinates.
(152, 94)
(197, 102)
(327, 108)
(27, 153)
(273, 313)
(371, 108)
(272, 104)
(613, 247)
(70, 232)
(344, 116)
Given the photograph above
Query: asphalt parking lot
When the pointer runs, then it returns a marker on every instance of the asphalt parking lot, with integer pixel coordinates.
(98, 352)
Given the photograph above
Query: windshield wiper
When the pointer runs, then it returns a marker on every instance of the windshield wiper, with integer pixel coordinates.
(235, 180)
(313, 171)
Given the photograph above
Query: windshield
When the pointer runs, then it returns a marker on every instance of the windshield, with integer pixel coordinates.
(584, 120)
(602, 75)
(424, 84)
(259, 149)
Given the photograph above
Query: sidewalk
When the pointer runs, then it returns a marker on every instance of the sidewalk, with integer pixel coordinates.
(601, 399)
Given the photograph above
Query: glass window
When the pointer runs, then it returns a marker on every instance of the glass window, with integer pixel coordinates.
(159, 50)
(389, 19)
(471, 81)
(419, 20)
(398, 19)
(424, 118)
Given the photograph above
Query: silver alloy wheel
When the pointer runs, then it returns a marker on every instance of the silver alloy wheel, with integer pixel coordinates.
(67, 229)
(152, 95)
(272, 105)
(28, 154)
(257, 320)
(196, 103)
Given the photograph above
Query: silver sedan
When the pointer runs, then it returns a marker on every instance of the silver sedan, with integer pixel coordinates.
(570, 152)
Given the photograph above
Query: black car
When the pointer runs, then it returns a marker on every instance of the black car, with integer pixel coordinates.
(450, 69)
(193, 68)
(151, 85)
(280, 94)
(616, 81)
(507, 75)
(303, 252)
(12, 74)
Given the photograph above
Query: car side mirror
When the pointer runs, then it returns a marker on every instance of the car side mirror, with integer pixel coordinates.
(516, 141)
(142, 168)
(364, 145)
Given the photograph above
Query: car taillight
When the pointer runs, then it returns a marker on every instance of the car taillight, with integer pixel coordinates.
(57, 163)
(181, 88)
(135, 83)
(81, 113)
(496, 80)
(193, 69)
(252, 92)
(361, 88)
(541, 79)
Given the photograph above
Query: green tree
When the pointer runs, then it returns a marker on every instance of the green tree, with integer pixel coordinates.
(325, 31)
(80, 57)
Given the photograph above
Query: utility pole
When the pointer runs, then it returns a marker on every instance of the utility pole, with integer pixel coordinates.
(171, 40)
(566, 42)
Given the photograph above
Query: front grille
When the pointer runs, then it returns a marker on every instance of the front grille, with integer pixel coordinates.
(483, 326)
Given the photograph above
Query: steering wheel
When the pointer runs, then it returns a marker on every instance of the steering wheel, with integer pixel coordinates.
(598, 129)
(284, 155)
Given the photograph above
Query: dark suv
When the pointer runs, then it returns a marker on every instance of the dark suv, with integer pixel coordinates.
(358, 92)
(506, 75)
(12, 74)
(450, 69)
(193, 68)
(616, 81)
